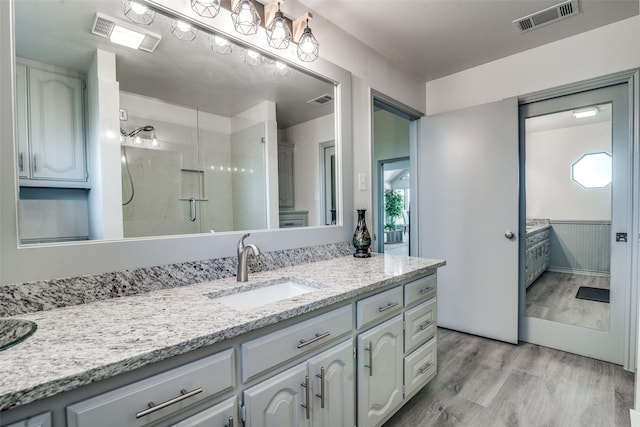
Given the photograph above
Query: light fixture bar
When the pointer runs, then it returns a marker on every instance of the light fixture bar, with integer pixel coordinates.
(270, 11)
(299, 26)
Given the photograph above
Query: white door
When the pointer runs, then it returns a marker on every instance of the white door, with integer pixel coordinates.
(468, 208)
(588, 204)
(278, 401)
(331, 375)
(380, 379)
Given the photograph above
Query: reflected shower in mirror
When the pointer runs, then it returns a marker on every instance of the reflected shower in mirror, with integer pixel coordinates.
(568, 212)
(181, 135)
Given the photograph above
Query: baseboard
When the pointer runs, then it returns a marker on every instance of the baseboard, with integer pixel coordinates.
(635, 418)
(573, 271)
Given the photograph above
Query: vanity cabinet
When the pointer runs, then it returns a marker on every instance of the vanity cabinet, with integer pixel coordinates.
(157, 397)
(223, 414)
(318, 392)
(42, 420)
(397, 356)
(50, 129)
(380, 353)
(537, 255)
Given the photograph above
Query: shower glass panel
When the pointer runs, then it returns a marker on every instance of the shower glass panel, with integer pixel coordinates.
(568, 213)
(194, 173)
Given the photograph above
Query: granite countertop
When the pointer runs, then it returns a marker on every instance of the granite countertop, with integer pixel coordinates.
(81, 344)
(532, 229)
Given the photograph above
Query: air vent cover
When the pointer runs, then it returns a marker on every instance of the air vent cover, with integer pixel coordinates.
(321, 100)
(103, 25)
(547, 16)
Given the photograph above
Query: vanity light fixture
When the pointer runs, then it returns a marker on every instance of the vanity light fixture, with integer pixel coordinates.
(138, 12)
(252, 57)
(220, 44)
(585, 112)
(280, 68)
(182, 30)
(206, 8)
(244, 14)
(278, 33)
(308, 46)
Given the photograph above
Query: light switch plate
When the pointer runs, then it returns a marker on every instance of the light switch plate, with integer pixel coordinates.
(362, 181)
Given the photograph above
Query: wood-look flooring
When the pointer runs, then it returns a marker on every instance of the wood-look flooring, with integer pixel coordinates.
(487, 383)
(553, 297)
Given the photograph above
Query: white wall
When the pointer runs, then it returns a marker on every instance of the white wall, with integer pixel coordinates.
(595, 53)
(551, 193)
(307, 138)
(103, 148)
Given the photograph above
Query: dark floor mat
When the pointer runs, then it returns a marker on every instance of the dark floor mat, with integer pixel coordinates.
(593, 294)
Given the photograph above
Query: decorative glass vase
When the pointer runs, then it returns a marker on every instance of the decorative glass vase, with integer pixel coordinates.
(361, 237)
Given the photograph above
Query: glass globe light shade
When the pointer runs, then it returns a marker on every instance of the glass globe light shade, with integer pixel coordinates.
(246, 19)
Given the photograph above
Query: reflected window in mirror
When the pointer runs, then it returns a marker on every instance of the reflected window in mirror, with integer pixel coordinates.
(174, 136)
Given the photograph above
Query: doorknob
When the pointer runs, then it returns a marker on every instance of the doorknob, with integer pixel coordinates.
(509, 234)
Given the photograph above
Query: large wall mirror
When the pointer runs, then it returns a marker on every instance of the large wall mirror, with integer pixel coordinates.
(115, 157)
(199, 123)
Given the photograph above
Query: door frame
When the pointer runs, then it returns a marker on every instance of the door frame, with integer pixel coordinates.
(632, 79)
(413, 116)
(379, 225)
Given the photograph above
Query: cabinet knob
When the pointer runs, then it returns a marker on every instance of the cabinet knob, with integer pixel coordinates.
(509, 234)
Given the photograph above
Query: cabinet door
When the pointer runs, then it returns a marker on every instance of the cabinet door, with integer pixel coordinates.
(56, 124)
(285, 175)
(380, 352)
(332, 387)
(223, 414)
(280, 401)
(22, 122)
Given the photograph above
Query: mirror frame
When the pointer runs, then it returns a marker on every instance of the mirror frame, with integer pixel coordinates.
(20, 264)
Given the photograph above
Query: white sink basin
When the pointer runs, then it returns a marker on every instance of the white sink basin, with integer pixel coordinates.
(263, 294)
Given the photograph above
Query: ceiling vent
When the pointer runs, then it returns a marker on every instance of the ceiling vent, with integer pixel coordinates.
(321, 100)
(548, 15)
(104, 25)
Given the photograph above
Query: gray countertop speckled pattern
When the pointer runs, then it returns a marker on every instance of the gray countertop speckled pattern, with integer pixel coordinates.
(80, 344)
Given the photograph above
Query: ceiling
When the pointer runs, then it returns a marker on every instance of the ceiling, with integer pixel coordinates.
(434, 38)
(58, 33)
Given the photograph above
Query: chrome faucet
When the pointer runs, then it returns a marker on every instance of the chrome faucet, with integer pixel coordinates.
(243, 250)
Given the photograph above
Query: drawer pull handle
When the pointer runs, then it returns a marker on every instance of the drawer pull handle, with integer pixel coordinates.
(387, 307)
(321, 395)
(319, 336)
(306, 405)
(425, 368)
(184, 394)
(229, 423)
(370, 365)
(427, 289)
(425, 325)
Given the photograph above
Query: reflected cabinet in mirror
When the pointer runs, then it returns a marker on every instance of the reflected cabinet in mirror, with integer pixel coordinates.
(183, 134)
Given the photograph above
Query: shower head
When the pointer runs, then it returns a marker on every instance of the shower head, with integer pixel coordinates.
(147, 128)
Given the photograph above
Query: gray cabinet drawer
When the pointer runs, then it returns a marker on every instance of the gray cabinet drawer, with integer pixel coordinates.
(377, 307)
(123, 407)
(420, 290)
(420, 324)
(42, 420)
(420, 366)
(270, 350)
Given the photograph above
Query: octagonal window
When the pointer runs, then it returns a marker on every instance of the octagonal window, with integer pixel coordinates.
(592, 170)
